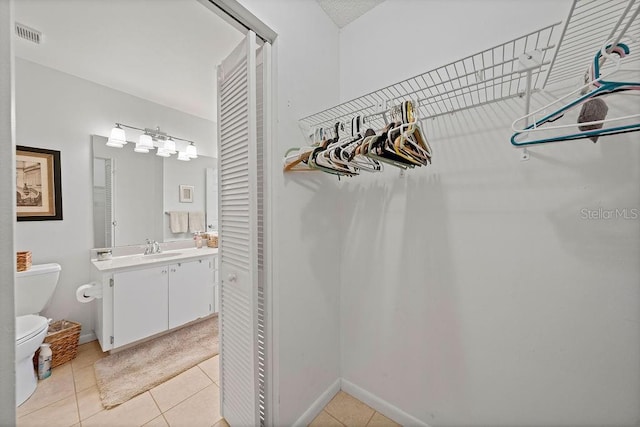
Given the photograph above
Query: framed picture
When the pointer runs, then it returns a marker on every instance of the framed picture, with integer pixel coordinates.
(38, 184)
(186, 193)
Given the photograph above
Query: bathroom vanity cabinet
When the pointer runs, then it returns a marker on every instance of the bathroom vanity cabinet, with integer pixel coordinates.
(142, 300)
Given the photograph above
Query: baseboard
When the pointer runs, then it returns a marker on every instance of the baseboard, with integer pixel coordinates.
(380, 405)
(318, 405)
(87, 338)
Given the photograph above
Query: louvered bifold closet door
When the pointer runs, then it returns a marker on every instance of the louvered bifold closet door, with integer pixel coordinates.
(238, 235)
(263, 75)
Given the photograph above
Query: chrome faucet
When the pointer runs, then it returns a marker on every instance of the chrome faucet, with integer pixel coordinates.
(148, 248)
(153, 247)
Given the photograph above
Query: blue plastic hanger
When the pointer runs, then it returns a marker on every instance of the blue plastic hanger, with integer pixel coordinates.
(603, 87)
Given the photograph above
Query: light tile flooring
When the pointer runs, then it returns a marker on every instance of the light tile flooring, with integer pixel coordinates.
(346, 410)
(70, 398)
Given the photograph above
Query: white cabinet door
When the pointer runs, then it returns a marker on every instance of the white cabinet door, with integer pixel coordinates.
(140, 301)
(189, 291)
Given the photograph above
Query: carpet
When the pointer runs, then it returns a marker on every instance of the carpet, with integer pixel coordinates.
(133, 371)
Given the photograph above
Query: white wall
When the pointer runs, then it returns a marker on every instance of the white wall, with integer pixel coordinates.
(419, 35)
(473, 291)
(307, 243)
(59, 111)
(7, 219)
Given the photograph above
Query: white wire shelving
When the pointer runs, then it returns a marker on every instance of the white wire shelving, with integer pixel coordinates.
(495, 74)
(591, 24)
(515, 69)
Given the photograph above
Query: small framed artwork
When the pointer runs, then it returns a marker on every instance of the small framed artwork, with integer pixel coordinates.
(186, 193)
(38, 184)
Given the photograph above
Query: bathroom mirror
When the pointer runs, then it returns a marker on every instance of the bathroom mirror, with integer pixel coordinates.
(134, 192)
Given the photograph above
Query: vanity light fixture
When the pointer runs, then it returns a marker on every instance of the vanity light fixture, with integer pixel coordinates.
(151, 139)
(162, 152)
(182, 155)
(191, 151)
(170, 145)
(117, 138)
(145, 143)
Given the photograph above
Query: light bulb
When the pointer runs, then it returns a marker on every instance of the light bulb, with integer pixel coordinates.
(145, 141)
(144, 144)
(117, 139)
(170, 145)
(192, 152)
(162, 152)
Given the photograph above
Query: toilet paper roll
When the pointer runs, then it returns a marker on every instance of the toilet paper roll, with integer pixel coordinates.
(88, 292)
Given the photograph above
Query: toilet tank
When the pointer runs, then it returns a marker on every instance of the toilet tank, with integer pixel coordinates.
(35, 287)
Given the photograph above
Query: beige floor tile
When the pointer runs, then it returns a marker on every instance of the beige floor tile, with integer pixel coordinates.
(211, 367)
(349, 410)
(170, 393)
(89, 402)
(136, 412)
(379, 420)
(201, 409)
(84, 378)
(325, 420)
(93, 345)
(63, 413)
(221, 423)
(57, 387)
(87, 358)
(157, 422)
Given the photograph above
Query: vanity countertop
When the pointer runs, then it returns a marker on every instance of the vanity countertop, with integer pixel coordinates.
(165, 257)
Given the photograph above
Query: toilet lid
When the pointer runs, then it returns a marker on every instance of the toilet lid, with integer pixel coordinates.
(28, 326)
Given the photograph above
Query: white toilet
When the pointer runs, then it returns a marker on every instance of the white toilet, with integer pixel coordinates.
(34, 289)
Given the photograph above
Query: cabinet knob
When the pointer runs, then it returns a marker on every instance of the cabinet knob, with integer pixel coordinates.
(232, 277)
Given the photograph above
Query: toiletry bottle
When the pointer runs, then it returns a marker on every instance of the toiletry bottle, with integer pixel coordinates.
(198, 240)
(44, 361)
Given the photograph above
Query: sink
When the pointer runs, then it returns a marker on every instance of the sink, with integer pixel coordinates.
(161, 255)
(177, 255)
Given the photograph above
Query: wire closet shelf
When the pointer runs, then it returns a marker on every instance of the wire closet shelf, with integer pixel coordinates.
(590, 24)
(495, 74)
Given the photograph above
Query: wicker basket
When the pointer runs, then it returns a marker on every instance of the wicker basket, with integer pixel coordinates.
(63, 337)
(23, 261)
(212, 242)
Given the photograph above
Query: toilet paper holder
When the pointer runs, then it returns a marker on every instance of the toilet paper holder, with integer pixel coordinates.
(89, 291)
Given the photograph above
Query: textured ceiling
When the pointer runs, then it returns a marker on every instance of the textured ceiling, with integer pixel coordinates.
(164, 51)
(343, 12)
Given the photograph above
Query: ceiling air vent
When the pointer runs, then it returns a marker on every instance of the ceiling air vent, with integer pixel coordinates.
(28, 33)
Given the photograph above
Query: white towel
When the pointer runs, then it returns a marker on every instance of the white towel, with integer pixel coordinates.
(179, 221)
(196, 221)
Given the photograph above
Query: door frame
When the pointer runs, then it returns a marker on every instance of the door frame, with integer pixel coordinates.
(240, 17)
(7, 217)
